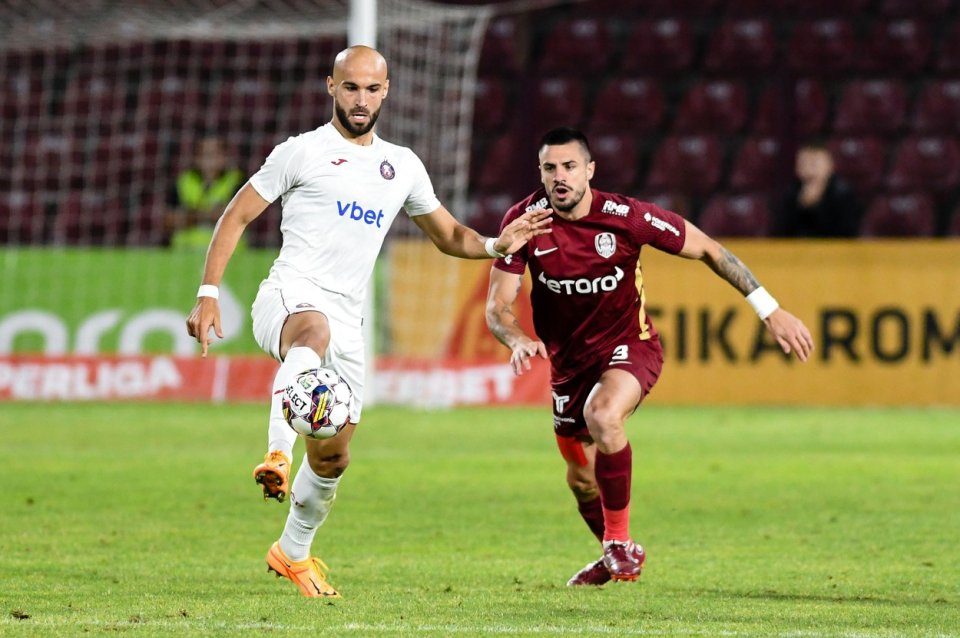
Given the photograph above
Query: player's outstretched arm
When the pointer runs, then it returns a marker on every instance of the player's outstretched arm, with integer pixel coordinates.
(245, 206)
(503, 291)
(453, 238)
(788, 330)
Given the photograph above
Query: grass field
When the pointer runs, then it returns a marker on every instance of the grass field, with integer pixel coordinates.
(119, 520)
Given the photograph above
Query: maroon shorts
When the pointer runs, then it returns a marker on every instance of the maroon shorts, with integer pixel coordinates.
(642, 359)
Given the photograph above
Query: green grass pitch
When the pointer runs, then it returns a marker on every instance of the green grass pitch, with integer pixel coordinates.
(128, 520)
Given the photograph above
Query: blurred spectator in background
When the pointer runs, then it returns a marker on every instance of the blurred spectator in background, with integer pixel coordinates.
(200, 195)
(820, 203)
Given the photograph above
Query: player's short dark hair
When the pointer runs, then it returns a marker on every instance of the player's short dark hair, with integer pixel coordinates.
(564, 135)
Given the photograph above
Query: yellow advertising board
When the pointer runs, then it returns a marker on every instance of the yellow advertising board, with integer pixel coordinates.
(885, 318)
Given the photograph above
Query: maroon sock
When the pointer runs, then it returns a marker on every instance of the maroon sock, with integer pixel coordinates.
(613, 477)
(592, 513)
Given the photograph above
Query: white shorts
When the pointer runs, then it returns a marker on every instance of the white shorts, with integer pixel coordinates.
(345, 353)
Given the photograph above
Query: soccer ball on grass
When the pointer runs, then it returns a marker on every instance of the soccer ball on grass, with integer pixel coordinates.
(317, 403)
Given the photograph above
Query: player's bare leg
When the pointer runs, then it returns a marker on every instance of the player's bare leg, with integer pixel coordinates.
(313, 492)
(303, 341)
(611, 402)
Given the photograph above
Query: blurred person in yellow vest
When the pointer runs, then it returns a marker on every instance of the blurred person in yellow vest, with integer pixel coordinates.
(201, 194)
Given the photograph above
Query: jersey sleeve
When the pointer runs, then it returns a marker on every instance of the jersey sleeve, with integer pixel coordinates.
(280, 171)
(422, 198)
(515, 263)
(660, 228)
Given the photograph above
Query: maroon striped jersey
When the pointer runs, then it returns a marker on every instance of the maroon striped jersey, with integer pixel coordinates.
(587, 284)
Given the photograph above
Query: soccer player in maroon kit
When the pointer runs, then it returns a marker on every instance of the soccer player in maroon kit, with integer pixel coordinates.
(588, 311)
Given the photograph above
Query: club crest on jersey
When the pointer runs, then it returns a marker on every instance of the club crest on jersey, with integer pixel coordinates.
(386, 170)
(606, 244)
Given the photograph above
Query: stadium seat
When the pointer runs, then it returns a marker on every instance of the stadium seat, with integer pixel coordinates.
(242, 105)
(264, 232)
(900, 47)
(626, 103)
(489, 105)
(953, 224)
(502, 168)
(658, 47)
(822, 48)
(871, 107)
(22, 219)
(915, 8)
(948, 56)
(741, 47)
(745, 215)
(89, 218)
(558, 101)
(759, 165)
(717, 106)
(169, 103)
(861, 160)
(308, 107)
(806, 116)
(937, 109)
(616, 158)
(693, 8)
(576, 46)
(503, 52)
(756, 8)
(690, 165)
(926, 164)
(146, 222)
(487, 212)
(827, 8)
(118, 161)
(46, 162)
(93, 105)
(905, 215)
(21, 95)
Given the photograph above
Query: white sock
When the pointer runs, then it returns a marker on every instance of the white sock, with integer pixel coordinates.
(311, 498)
(280, 436)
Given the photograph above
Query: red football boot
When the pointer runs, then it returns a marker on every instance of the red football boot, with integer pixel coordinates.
(623, 559)
(596, 573)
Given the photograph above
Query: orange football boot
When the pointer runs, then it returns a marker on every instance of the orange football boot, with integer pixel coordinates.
(274, 475)
(309, 575)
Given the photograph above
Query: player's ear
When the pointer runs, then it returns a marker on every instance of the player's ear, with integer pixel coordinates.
(591, 167)
(330, 86)
(386, 88)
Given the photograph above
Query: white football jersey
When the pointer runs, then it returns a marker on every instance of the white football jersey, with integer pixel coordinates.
(339, 200)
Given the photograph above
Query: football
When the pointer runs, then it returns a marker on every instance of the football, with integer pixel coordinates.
(317, 403)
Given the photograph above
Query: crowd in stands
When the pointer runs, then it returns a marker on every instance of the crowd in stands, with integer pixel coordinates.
(712, 108)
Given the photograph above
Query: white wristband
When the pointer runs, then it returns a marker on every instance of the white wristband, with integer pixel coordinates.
(207, 290)
(762, 302)
(490, 249)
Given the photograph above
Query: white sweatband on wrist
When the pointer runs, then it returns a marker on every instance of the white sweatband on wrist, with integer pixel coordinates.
(490, 249)
(763, 303)
(207, 290)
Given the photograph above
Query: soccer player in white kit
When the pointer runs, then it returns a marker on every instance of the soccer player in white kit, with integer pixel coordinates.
(341, 187)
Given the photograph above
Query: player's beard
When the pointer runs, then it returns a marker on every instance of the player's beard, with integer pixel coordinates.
(355, 130)
(572, 200)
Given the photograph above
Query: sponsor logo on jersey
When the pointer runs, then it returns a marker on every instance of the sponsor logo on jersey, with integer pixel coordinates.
(540, 204)
(356, 212)
(606, 244)
(338, 161)
(386, 170)
(304, 305)
(613, 208)
(583, 285)
(659, 224)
